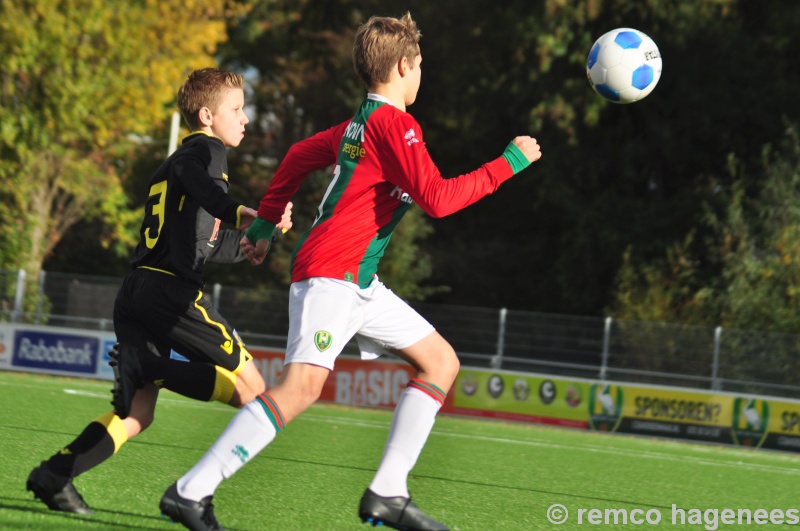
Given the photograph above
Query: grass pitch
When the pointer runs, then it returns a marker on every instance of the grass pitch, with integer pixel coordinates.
(473, 474)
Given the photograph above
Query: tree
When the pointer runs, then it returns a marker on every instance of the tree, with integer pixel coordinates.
(617, 185)
(610, 175)
(83, 82)
(746, 273)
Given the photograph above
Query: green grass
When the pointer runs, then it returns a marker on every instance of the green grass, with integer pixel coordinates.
(473, 474)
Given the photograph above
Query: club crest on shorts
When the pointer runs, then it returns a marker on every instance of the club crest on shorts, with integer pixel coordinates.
(323, 340)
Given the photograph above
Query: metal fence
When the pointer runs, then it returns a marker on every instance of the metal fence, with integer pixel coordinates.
(741, 361)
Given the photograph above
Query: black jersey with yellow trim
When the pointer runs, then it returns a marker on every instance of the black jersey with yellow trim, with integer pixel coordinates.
(187, 200)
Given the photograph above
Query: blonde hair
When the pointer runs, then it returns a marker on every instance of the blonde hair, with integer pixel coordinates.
(205, 88)
(380, 43)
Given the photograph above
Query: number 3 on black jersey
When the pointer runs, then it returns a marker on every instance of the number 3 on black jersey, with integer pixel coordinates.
(154, 213)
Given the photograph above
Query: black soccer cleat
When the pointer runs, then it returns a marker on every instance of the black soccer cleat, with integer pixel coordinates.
(197, 516)
(396, 512)
(57, 492)
(128, 378)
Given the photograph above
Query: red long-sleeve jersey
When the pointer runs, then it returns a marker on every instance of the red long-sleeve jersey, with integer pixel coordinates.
(381, 168)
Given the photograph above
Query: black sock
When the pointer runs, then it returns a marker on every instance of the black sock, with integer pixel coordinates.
(93, 446)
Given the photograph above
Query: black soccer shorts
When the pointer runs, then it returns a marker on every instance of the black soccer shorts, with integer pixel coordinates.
(159, 312)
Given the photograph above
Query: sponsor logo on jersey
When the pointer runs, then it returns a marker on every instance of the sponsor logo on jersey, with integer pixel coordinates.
(399, 194)
(323, 340)
(353, 150)
(355, 131)
(411, 137)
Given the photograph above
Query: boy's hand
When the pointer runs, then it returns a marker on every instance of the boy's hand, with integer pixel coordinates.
(246, 217)
(529, 147)
(286, 219)
(255, 254)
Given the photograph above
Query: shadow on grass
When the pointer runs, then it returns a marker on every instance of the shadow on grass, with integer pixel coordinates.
(29, 506)
(473, 483)
(369, 469)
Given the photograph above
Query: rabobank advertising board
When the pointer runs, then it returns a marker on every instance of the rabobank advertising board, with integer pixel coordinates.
(61, 352)
(689, 414)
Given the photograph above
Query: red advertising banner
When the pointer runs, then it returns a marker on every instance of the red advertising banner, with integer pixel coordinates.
(353, 382)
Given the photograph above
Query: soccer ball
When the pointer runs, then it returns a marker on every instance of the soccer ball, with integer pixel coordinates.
(624, 65)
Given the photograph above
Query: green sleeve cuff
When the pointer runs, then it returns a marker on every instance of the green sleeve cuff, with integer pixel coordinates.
(515, 158)
(260, 230)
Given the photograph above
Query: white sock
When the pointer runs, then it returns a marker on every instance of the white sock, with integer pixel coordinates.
(412, 422)
(248, 433)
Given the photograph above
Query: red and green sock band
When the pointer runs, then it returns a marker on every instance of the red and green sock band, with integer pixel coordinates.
(272, 410)
(429, 389)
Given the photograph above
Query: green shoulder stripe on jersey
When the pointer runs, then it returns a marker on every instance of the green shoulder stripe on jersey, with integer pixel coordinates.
(376, 248)
(351, 151)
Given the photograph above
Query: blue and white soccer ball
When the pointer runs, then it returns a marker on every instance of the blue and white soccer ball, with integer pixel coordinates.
(624, 65)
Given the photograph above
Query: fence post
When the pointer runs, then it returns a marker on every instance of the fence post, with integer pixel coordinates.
(606, 343)
(497, 359)
(215, 296)
(716, 384)
(19, 296)
(174, 130)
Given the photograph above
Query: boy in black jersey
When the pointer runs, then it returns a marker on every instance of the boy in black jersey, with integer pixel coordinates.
(160, 306)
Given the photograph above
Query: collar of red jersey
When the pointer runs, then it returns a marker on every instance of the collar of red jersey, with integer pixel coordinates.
(378, 97)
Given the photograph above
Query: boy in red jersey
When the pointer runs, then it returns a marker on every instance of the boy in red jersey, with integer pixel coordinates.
(382, 168)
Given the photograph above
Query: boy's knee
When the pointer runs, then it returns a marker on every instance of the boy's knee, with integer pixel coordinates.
(454, 366)
(145, 422)
(245, 396)
(253, 387)
(249, 384)
(449, 367)
(300, 387)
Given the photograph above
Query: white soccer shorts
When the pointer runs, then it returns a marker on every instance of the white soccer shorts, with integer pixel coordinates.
(324, 314)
